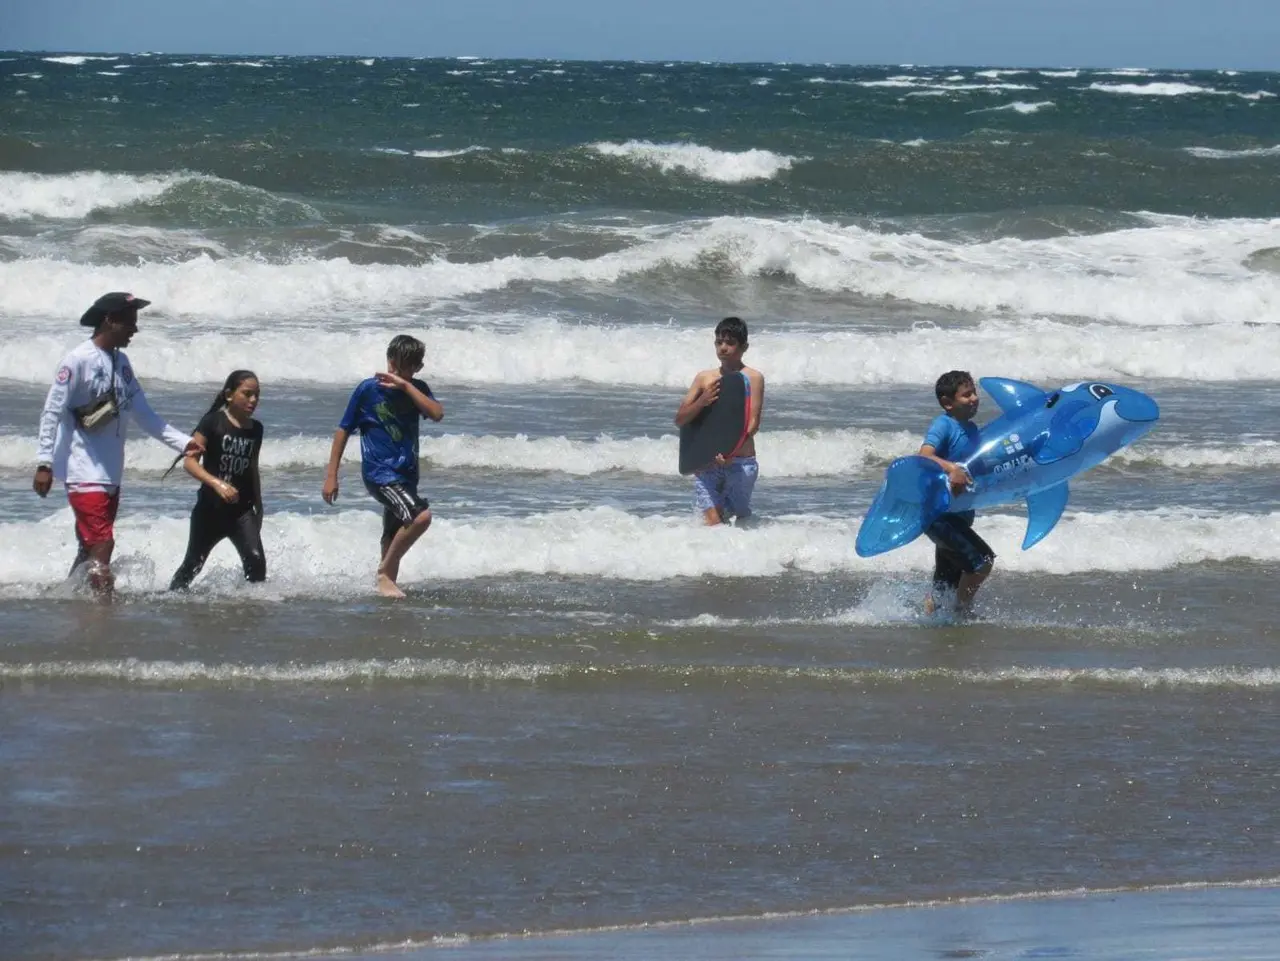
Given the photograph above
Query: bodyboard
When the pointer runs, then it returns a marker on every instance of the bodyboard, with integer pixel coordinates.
(720, 428)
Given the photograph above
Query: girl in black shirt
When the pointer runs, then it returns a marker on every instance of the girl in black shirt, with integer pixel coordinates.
(229, 503)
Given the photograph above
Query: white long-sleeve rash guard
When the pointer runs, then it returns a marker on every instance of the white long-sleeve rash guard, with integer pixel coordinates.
(94, 459)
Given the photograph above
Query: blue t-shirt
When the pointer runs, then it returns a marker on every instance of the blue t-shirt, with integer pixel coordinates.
(950, 439)
(387, 420)
(954, 441)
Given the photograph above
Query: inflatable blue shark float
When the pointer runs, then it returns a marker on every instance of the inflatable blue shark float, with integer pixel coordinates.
(1040, 441)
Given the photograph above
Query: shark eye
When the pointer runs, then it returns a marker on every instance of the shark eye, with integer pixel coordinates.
(1100, 391)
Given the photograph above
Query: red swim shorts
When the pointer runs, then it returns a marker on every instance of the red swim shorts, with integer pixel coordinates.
(95, 515)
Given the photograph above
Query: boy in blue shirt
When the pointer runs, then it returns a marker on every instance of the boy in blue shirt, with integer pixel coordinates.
(962, 559)
(385, 410)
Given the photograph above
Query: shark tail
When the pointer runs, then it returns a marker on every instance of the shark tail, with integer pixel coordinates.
(914, 494)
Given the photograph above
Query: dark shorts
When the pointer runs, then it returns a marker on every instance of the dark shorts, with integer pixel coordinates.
(401, 505)
(957, 549)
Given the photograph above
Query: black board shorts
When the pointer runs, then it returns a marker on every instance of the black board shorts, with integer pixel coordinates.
(401, 505)
(958, 550)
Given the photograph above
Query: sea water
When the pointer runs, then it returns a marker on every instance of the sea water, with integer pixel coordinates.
(591, 710)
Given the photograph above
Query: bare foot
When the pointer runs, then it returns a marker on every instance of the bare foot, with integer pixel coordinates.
(390, 569)
(387, 587)
(930, 605)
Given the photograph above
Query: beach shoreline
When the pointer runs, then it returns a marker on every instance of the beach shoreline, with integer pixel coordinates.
(1204, 921)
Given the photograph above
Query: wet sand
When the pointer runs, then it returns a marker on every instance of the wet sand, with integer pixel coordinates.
(1181, 923)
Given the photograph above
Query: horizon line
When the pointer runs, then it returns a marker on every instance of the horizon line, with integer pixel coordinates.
(872, 65)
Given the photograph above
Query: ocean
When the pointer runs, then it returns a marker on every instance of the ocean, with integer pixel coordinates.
(591, 712)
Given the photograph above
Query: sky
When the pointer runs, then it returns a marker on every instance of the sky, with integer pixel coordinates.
(1238, 34)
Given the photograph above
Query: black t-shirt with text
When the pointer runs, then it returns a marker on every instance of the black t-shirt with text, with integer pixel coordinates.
(231, 454)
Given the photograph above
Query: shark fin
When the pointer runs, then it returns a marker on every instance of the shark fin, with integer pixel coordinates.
(914, 494)
(1043, 510)
(1014, 396)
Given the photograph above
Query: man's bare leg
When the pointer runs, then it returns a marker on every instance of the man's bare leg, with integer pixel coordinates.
(82, 555)
(101, 581)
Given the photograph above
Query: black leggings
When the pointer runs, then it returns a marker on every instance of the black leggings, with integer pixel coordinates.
(209, 525)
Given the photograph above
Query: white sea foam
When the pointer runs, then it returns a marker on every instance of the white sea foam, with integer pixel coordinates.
(928, 86)
(321, 553)
(441, 154)
(1173, 89)
(134, 670)
(807, 453)
(75, 61)
(989, 87)
(836, 452)
(723, 166)
(1174, 271)
(73, 196)
(1018, 106)
(795, 453)
(1155, 89)
(1213, 153)
(1043, 351)
(1263, 454)
(137, 671)
(550, 351)
(115, 242)
(1122, 678)
(1177, 270)
(1064, 74)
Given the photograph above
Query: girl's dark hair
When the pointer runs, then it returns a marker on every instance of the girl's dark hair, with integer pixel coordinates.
(232, 384)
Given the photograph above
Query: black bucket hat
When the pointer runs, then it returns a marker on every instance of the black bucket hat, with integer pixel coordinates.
(111, 303)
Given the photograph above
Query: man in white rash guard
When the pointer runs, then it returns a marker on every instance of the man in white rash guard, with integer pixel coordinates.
(82, 431)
